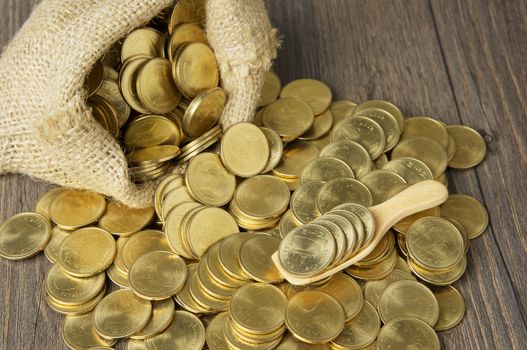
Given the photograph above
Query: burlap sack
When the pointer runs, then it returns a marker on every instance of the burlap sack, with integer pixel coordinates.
(46, 128)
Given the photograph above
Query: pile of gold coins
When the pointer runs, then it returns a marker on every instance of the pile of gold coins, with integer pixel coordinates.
(194, 271)
(156, 91)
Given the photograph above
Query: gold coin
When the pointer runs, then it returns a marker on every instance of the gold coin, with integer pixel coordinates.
(387, 122)
(152, 155)
(210, 285)
(451, 307)
(364, 215)
(276, 149)
(155, 87)
(442, 278)
(380, 252)
(403, 225)
(287, 223)
(186, 11)
(125, 221)
(146, 42)
(289, 342)
(307, 250)
(289, 117)
(173, 224)
(118, 262)
(296, 156)
(380, 162)
(410, 169)
(110, 92)
(255, 258)
(95, 79)
(461, 229)
(207, 227)
(195, 69)
(229, 251)
(167, 184)
(234, 341)
(24, 235)
(247, 302)
(364, 131)
(151, 130)
(141, 243)
(200, 141)
(426, 150)
(402, 265)
(157, 275)
(53, 246)
(387, 107)
(249, 200)
(374, 272)
(184, 299)
(117, 277)
(87, 252)
(342, 109)
(352, 153)
(408, 299)
(75, 208)
(381, 183)
(127, 82)
(407, 333)
(347, 292)
(321, 127)
(78, 332)
(470, 147)
(374, 289)
(71, 290)
(163, 313)
(322, 142)
(435, 244)
(443, 178)
(208, 181)
(105, 114)
(426, 127)
(351, 238)
(121, 314)
(74, 310)
(361, 331)
(303, 206)
(183, 33)
(314, 317)
(341, 191)
(205, 300)
(325, 169)
(451, 148)
(214, 334)
(204, 112)
(468, 211)
(45, 201)
(232, 277)
(244, 150)
(314, 92)
(270, 89)
(191, 154)
(175, 197)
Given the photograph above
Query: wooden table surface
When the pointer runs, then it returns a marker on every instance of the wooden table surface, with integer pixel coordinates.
(461, 61)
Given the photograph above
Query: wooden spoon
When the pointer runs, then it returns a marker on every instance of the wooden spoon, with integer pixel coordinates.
(418, 197)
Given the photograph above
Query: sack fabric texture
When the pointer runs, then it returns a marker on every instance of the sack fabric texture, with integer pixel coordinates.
(46, 128)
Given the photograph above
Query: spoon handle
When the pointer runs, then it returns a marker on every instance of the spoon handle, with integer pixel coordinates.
(418, 197)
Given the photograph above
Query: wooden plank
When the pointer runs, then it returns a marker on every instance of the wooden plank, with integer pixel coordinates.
(458, 61)
(485, 46)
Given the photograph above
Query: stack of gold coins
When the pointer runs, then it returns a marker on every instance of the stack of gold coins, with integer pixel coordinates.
(159, 85)
(189, 251)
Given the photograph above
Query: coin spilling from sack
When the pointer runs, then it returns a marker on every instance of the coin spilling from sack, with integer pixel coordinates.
(195, 270)
(156, 91)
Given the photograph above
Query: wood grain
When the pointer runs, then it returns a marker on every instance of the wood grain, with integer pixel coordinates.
(461, 61)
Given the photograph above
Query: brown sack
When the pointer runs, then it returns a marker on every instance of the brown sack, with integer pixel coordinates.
(47, 130)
